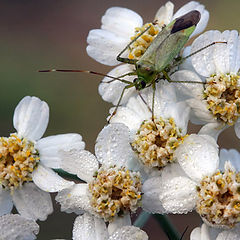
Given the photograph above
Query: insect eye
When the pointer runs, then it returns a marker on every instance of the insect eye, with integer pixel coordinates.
(135, 79)
(138, 66)
(143, 83)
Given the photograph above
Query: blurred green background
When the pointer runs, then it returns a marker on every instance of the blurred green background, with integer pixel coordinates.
(52, 34)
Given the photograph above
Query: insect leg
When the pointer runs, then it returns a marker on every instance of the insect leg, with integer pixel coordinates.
(153, 98)
(119, 101)
(199, 50)
(128, 60)
(144, 101)
(172, 81)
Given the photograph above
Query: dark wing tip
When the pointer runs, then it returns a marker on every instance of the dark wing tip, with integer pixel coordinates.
(189, 19)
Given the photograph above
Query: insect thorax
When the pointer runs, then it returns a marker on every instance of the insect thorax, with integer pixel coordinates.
(146, 74)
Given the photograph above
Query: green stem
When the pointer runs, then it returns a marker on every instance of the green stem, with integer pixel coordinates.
(167, 227)
(64, 174)
(142, 219)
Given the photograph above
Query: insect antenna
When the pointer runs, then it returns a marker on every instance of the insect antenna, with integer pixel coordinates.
(91, 72)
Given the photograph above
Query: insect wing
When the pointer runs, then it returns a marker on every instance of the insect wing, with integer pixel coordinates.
(150, 54)
(180, 32)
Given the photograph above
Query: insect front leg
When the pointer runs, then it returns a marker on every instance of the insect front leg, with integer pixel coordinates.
(119, 101)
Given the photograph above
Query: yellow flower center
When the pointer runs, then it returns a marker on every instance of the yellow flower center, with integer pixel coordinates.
(155, 142)
(18, 158)
(219, 199)
(115, 191)
(222, 94)
(138, 48)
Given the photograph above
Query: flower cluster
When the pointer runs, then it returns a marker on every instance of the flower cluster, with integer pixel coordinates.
(145, 157)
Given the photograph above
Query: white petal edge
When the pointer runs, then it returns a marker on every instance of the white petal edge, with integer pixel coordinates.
(14, 226)
(49, 148)
(31, 118)
(88, 227)
(49, 181)
(32, 203)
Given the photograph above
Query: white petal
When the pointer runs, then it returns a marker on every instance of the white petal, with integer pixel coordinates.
(188, 89)
(180, 112)
(200, 114)
(233, 234)
(214, 59)
(237, 128)
(31, 118)
(225, 54)
(195, 6)
(49, 181)
(33, 203)
(236, 61)
(104, 46)
(14, 226)
(49, 148)
(119, 222)
(150, 199)
(80, 162)
(112, 145)
(232, 156)
(212, 129)
(164, 14)
(74, 199)
(111, 91)
(88, 227)
(129, 233)
(196, 234)
(6, 203)
(121, 21)
(198, 156)
(202, 233)
(178, 195)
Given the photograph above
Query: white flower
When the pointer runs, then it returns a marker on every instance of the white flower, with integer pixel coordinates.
(209, 233)
(14, 226)
(215, 103)
(119, 27)
(88, 227)
(25, 174)
(205, 182)
(112, 190)
(154, 142)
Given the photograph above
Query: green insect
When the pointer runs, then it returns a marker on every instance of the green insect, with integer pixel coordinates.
(159, 58)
